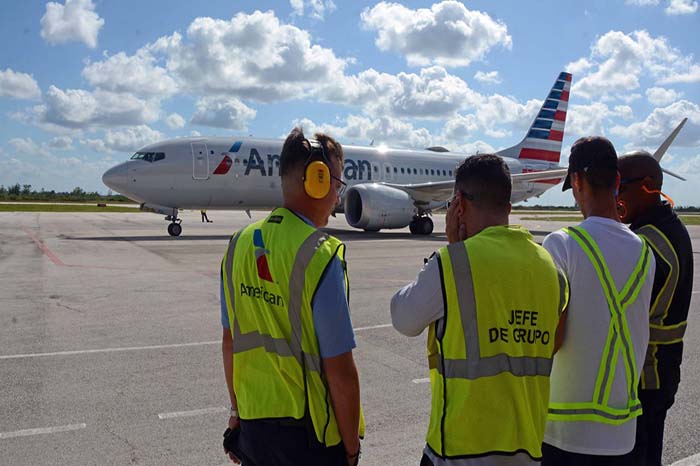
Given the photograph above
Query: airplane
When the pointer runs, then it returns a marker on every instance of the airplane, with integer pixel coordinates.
(387, 188)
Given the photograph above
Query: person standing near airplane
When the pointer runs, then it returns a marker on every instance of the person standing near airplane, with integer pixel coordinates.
(291, 377)
(594, 403)
(492, 300)
(639, 203)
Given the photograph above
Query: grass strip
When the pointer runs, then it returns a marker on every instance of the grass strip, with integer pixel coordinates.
(23, 207)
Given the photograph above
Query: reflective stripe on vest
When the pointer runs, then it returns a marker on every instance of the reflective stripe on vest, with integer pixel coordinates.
(660, 334)
(475, 366)
(618, 340)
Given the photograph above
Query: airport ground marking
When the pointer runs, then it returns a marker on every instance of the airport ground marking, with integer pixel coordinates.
(45, 249)
(424, 380)
(689, 461)
(138, 348)
(194, 412)
(42, 430)
(371, 327)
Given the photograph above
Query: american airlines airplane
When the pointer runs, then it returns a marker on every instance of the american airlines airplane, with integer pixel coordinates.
(387, 188)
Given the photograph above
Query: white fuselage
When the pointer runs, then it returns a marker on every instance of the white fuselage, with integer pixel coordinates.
(190, 174)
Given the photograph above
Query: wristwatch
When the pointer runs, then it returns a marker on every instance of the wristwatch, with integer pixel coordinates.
(234, 412)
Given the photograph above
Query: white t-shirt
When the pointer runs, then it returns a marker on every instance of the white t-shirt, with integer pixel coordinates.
(576, 364)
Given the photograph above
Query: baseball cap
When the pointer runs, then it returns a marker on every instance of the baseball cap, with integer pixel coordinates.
(590, 153)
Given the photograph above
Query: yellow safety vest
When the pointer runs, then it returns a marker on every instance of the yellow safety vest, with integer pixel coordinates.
(490, 356)
(659, 333)
(271, 271)
(618, 341)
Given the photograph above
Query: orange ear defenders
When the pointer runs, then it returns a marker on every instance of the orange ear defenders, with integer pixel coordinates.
(317, 172)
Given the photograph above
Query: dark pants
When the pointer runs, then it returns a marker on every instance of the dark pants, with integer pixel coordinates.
(273, 443)
(650, 425)
(553, 456)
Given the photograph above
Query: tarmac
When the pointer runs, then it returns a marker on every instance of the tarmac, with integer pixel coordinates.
(110, 341)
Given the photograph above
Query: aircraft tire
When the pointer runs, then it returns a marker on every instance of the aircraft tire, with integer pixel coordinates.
(426, 226)
(174, 229)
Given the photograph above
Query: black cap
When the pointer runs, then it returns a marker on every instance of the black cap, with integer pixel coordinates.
(590, 153)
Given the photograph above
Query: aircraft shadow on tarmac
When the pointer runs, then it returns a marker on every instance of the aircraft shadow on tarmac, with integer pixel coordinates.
(150, 238)
(344, 235)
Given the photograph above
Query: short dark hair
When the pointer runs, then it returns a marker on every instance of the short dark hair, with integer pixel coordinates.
(296, 150)
(595, 157)
(485, 180)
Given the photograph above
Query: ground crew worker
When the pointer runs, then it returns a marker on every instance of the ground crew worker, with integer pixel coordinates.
(639, 203)
(288, 361)
(492, 300)
(593, 403)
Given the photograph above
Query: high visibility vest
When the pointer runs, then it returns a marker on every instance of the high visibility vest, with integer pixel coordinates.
(271, 271)
(490, 356)
(660, 333)
(599, 408)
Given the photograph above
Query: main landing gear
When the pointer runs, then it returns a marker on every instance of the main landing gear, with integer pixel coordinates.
(174, 229)
(421, 225)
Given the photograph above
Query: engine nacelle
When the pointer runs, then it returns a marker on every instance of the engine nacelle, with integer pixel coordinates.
(373, 206)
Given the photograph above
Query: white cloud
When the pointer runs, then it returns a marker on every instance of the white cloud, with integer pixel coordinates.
(447, 34)
(316, 9)
(659, 124)
(78, 108)
(594, 119)
(27, 147)
(76, 21)
(18, 85)
(383, 130)
(434, 93)
(222, 113)
(579, 66)
(250, 56)
(175, 121)
(618, 59)
(136, 74)
(681, 7)
(659, 96)
(61, 143)
(124, 140)
(489, 77)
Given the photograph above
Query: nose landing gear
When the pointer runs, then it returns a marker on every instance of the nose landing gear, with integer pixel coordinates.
(421, 225)
(174, 229)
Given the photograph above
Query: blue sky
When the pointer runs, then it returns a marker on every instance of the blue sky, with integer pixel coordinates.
(83, 83)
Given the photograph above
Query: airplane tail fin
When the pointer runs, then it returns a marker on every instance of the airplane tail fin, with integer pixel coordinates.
(544, 138)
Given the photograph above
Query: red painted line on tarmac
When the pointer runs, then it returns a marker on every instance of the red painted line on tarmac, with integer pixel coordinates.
(45, 249)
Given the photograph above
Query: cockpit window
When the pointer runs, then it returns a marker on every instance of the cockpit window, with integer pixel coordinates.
(148, 156)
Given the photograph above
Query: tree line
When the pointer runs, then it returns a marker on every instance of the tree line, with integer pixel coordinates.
(25, 192)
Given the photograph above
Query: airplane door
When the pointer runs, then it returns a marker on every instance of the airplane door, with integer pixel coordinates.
(200, 161)
(388, 172)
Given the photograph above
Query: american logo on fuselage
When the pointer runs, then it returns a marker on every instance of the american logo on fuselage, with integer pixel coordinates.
(270, 166)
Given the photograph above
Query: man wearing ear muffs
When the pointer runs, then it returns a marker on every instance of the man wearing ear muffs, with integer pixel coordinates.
(640, 204)
(287, 340)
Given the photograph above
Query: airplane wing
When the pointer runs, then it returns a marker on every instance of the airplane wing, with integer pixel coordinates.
(437, 191)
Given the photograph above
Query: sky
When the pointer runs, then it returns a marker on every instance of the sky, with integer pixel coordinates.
(84, 84)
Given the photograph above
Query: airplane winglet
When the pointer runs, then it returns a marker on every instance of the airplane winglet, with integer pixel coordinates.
(667, 143)
(669, 172)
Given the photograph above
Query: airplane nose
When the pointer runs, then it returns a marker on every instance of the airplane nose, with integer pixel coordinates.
(115, 178)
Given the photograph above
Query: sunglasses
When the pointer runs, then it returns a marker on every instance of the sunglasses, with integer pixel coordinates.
(468, 196)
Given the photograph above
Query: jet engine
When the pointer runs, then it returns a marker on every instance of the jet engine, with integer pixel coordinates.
(373, 206)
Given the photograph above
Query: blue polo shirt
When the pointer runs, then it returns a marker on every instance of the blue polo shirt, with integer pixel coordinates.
(331, 312)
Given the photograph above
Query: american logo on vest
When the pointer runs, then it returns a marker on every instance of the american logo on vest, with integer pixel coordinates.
(261, 256)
